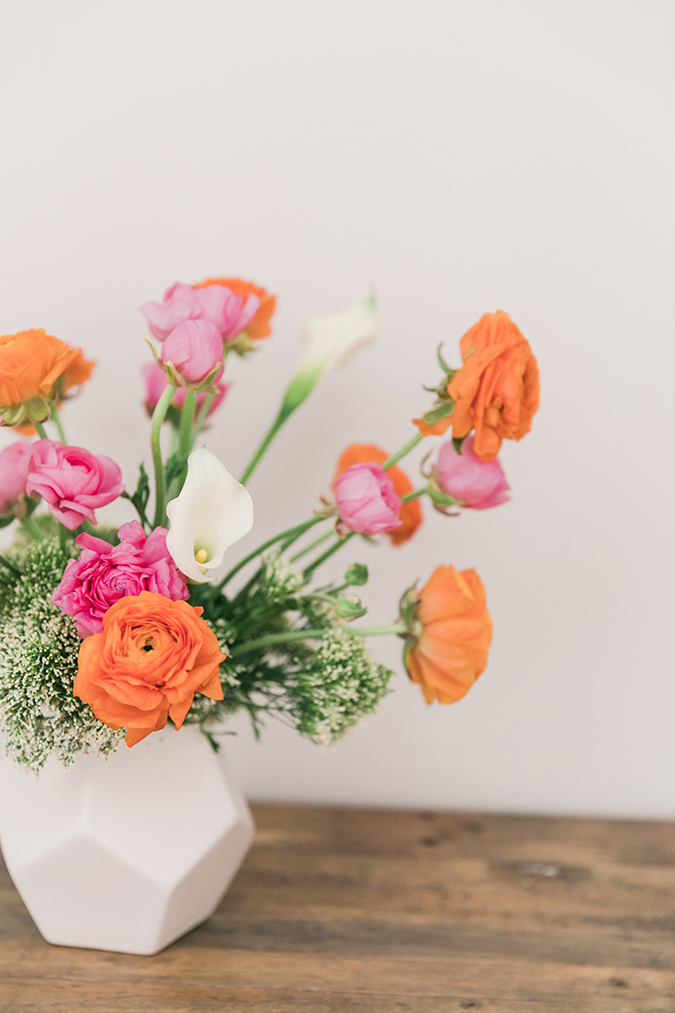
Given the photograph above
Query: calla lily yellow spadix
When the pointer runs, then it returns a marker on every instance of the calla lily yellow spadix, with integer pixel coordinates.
(328, 340)
(212, 512)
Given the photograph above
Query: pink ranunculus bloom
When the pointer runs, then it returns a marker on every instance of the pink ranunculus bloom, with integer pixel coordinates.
(472, 482)
(156, 382)
(217, 304)
(72, 481)
(104, 573)
(367, 500)
(13, 474)
(194, 348)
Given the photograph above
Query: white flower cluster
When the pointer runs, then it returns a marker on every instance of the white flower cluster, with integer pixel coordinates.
(39, 716)
(335, 687)
(279, 578)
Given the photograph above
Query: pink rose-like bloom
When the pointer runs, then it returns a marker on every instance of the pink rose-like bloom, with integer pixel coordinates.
(195, 349)
(72, 481)
(367, 500)
(472, 482)
(13, 474)
(105, 573)
(156, 383)
(217, 304)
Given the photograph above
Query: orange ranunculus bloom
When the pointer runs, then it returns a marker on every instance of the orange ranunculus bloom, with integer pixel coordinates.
(77, 373)
(452, 649)
(497, 389)
(436, 430)
(260, 325)
(153, 655)
(410, 513)
(30, 363)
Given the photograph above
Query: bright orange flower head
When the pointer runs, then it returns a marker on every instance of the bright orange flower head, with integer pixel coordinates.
(259, 327)
(456, 629)
(410, 513)
(77, 373)
(153, 655)
(30, 363)
(497, 389)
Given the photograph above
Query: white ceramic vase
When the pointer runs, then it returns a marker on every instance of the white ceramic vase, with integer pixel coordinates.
(127, 852)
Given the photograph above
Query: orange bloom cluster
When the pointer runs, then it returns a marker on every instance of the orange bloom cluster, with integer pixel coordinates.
(153, 655)
(452, 647)
(496, 391)
(32, 361)
(410, 513)
(259, 327)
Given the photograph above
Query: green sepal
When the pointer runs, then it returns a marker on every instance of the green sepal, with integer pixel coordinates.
(457, 443)
(443, 364)
(349, 607)
(440, 498)
(440, 412)
(240, 346)
(357, 574)
(407, 607)
(37, 409)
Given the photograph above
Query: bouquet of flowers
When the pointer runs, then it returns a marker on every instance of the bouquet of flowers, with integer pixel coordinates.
(109, 634)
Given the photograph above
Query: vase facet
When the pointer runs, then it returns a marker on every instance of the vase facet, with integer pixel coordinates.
(127, 852)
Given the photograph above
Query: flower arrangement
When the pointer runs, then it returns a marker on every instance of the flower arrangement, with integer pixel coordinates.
(109, 634)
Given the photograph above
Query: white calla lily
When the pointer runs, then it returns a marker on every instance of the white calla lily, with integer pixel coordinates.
(212, 512)
(328, 340)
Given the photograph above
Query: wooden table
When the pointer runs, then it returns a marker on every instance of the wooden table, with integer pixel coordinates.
(353, 911)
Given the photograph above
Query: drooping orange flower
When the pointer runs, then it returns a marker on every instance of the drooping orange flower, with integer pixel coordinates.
(30, 363)
(497, 389)
(260, 325)
(456, 629)
(410, 513)
(77, 373)
(153, 655)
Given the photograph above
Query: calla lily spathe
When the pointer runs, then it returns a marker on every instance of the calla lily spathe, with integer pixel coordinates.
(212, 512)
(328, 340)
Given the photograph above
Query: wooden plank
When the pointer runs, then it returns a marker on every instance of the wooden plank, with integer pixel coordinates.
(352, 911)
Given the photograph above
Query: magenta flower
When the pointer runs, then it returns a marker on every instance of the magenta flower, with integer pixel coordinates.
(367, 500)
(155, 385)
(105, 573)
(194, 348)
(13, 474)
(72, 481)
(217, 304)
(472, 482)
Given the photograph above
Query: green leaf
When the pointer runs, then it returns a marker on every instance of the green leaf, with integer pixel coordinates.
(357, 574)
(4, 521)
(441, 412)
(141, 496)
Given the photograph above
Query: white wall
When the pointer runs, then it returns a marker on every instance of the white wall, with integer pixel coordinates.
(458, 157)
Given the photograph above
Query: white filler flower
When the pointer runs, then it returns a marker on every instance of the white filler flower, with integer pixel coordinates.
(212, 512)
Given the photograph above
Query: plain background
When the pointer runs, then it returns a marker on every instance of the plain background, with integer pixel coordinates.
(454, 157)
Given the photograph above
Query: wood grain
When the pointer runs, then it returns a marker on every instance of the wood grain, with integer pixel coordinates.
(352, 911)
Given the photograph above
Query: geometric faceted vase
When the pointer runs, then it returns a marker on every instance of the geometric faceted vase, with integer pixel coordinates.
(126, 852)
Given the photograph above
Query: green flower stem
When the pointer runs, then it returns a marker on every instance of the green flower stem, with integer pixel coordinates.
(32, 528)
(272, 432)
(298, 530)
(308, 571)
(41, 430)
(312, 545)
(63, 532)
(158, 417)
(201, 418)
(10, 566)
(56, 419)
(410, 445)
(286, 638)
(186, 419)
(409, 496)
